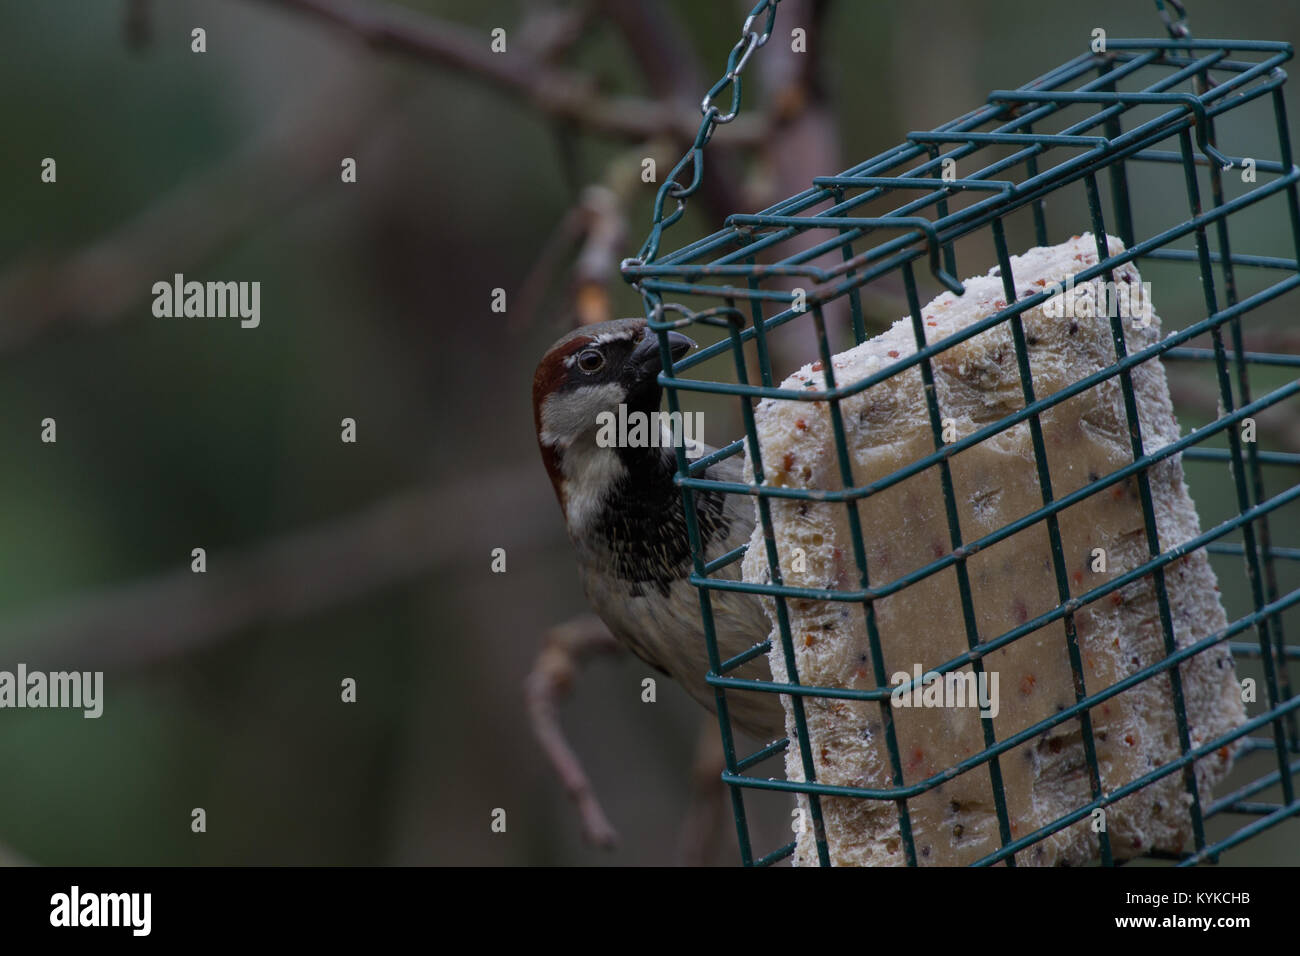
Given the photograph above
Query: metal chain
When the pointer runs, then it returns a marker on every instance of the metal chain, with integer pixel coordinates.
(1178, 29)
(750, 40)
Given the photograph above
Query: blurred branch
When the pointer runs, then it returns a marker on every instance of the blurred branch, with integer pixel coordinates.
(291, 577)
(1198, 395)
(565, 648)
(662, 49)
(599, 222)
(545, 268)
(1284, 341)
(707, 811)
(137, 24)
(598, 258)
(550, 32)
(805, 141)
(99, 282)
(559, 93)
(665, 55)
(9, 857)
(1257, 339)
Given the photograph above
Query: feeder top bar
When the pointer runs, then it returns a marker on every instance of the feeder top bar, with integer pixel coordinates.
(1016, 112)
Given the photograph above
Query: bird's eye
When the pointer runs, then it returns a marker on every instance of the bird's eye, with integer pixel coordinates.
(591, 361)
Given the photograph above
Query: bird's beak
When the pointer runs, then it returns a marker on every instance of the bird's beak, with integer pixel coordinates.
(646, 354)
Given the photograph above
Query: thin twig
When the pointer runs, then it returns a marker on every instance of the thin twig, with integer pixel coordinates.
(602, 247)
(564, 650)
(598, 221)
(545, 267)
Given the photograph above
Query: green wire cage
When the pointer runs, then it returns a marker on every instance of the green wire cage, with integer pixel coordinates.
(1099, 135)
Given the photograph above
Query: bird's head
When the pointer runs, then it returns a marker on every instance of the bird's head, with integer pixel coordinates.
(590, 371)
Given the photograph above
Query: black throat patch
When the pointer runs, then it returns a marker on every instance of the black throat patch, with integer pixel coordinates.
(643, 523)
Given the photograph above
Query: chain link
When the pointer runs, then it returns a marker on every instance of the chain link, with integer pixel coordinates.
(1178, 29)
(750, 40)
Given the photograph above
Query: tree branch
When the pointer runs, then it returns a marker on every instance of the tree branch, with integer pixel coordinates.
(663, 53)
(564, 650)
(99, 282)
(291, 577)
(559, 93)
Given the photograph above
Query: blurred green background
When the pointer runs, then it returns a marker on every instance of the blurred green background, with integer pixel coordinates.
(371, 560)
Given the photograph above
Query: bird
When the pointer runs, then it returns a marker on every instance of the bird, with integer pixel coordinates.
(626, 519)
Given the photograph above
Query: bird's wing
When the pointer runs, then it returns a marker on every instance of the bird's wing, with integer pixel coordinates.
(738, 508)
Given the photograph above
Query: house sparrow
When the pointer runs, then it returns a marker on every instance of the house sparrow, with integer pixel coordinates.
(627, 522)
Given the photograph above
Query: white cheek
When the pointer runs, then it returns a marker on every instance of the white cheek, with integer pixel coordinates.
(567, 415)
(589, 475)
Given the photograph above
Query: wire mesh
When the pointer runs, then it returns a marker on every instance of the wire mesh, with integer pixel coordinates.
(1105, 135)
